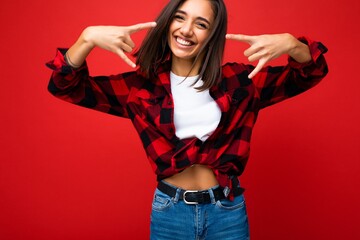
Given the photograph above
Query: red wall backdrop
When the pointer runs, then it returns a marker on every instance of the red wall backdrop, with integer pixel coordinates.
(71, 173)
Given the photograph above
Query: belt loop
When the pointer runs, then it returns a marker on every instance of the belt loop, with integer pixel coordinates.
(226, 191)
(212, 197)
(177, 195)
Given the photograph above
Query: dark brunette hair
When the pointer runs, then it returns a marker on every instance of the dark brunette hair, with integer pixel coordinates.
(155, 48)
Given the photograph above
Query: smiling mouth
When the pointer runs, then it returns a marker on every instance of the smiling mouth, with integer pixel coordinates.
(183, 42)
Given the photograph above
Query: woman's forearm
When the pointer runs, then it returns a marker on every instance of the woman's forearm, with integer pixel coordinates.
(78, 52)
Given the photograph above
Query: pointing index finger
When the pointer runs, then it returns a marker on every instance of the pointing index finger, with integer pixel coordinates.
(141, 26)
(240, 37)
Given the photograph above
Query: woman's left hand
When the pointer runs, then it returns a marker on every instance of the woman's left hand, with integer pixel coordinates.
(270, 46)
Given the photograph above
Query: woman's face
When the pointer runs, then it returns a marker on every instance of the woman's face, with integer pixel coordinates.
(190, 28)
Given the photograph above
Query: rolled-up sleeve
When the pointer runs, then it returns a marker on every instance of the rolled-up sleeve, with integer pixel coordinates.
(107, 94)
(275, 84)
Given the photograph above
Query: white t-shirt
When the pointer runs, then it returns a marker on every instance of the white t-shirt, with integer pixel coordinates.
(196, 114)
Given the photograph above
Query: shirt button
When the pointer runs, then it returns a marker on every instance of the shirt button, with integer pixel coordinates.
(169, 102)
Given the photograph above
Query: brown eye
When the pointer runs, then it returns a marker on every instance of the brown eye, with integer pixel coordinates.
(202, 25)
(178, 17)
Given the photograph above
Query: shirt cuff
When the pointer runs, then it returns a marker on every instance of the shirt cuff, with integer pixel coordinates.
(58, 64)
(317, 49)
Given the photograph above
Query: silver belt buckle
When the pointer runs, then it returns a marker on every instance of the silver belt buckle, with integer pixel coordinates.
(184, 197)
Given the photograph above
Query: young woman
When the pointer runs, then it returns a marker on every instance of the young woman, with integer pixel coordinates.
(193, 115)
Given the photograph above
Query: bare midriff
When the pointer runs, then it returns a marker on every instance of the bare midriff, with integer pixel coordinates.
(196, 177)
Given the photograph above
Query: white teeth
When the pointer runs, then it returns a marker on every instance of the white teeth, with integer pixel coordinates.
(183, 42)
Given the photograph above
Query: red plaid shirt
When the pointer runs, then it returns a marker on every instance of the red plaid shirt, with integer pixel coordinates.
(149, 105)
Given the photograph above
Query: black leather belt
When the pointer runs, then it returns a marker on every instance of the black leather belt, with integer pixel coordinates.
(194, 196)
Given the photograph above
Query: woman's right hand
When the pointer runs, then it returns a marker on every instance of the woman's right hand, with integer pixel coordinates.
(115, 39)
(111, 38)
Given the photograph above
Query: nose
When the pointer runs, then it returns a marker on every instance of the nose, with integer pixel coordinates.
(186, 29)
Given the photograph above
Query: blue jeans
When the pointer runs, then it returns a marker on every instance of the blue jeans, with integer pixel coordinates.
(173, 219)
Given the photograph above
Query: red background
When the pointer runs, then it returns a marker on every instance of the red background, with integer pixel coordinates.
(71, 173)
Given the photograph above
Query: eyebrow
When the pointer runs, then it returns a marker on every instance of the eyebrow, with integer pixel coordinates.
(200, 18)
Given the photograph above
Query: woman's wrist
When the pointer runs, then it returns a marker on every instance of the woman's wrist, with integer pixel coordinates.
(77, 54)
(86, 38)
(299, 50)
